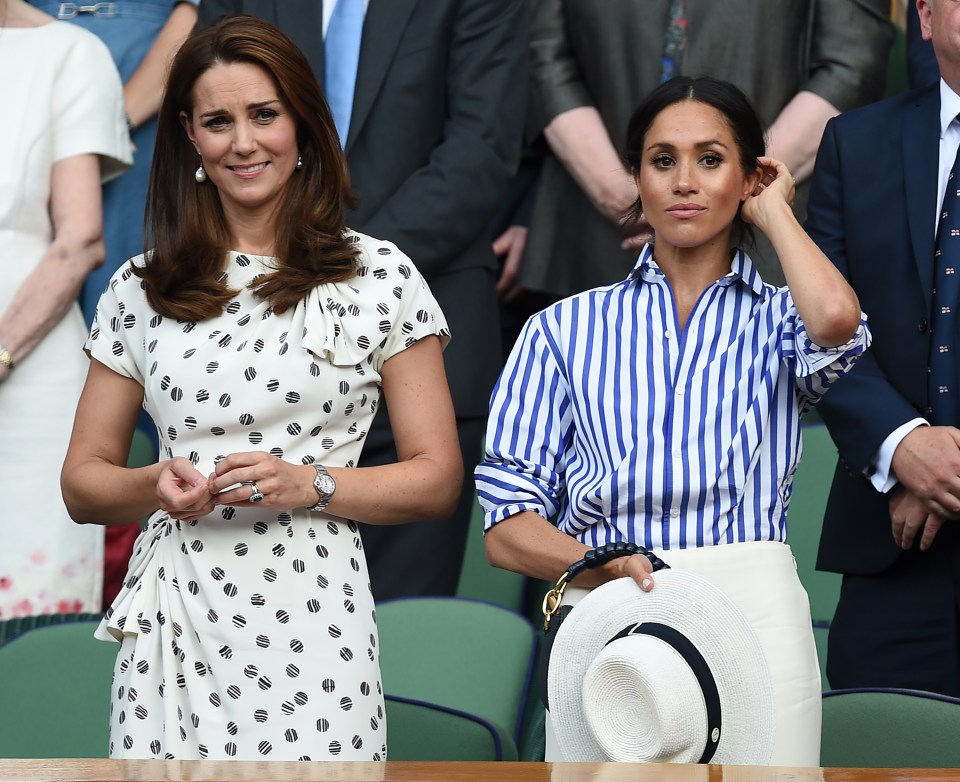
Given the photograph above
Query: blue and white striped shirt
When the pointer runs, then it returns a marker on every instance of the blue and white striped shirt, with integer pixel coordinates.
(610, 418)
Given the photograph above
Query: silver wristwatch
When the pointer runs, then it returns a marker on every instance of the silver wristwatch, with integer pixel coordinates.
(325, 486)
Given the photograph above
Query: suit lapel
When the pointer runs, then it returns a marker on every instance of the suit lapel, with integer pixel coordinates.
(921, 145)
(382, 28)
(302, 20)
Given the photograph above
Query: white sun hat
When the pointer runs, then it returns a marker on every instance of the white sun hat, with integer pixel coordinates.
(674, 675)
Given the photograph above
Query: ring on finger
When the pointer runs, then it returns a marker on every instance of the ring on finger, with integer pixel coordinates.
(257, 495)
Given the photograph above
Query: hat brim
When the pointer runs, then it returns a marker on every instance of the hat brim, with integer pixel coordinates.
(698, 609)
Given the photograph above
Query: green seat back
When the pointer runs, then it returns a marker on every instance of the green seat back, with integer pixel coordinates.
(142, 450)
(55, 693)
(811, 486)
(479, 579)
(533, 740)
(11, 628)
(424, 731)
(461, 654)
(890, 729)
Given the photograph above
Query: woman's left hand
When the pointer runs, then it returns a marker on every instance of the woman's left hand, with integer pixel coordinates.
(638, 567)
(254, 478)
(776, 186)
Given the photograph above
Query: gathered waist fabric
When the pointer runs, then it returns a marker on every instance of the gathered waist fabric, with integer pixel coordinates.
(248, 634)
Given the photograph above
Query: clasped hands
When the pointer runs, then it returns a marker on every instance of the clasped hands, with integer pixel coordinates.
(927, 465)
(187, 494)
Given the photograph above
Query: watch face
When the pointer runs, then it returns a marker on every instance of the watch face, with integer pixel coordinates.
(325, 485)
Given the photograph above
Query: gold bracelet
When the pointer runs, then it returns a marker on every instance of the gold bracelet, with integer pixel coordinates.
(6, 359)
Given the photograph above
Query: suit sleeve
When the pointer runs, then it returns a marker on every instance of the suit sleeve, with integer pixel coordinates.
(556, 82)
(214, 9)
(445, 205)
(862, 407)
(850, 47)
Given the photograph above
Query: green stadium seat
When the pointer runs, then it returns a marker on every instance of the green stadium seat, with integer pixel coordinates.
(55, 685)
(890, 728)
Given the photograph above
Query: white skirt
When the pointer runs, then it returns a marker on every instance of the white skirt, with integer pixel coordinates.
(761, 579)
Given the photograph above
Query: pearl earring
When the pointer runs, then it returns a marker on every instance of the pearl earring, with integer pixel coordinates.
(200, 175)
(299, 162)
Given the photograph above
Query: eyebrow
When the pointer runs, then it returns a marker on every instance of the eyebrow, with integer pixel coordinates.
(699, 145)
(250, 107)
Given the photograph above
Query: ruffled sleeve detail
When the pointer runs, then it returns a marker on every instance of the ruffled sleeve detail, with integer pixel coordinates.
(386, 307)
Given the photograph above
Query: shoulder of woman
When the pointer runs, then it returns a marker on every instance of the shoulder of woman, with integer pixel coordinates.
(77, 57)
(78, 41)
(382, 259)
(125, 278)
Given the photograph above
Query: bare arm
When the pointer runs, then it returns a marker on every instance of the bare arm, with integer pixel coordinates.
(850, 45)
(796, 132)
(77, 248)
(144, 89)
(424, 483)
(97, 486)
(826, 302)
(580, 140)
(527, 543)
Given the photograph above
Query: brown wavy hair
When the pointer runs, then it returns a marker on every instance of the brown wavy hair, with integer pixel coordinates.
(183, 276)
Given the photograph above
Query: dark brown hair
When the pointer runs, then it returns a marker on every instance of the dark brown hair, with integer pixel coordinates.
(183, 276)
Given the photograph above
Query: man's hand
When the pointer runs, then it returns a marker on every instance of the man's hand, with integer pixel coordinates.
(510, 246)
(927, 463)
(908, 515)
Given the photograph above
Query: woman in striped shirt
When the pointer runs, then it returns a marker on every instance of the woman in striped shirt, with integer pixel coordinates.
(664, 410)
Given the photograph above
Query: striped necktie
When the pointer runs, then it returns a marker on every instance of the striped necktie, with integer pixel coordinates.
(341, 54)
(944, 387)
(675, 40)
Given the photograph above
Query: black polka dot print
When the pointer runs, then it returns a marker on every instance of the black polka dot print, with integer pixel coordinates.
(250, 634)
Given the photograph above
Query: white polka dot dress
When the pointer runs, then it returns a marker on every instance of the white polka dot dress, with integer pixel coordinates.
(250, 633)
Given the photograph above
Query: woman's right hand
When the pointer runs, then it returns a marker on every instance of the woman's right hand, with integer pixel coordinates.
(182, 490)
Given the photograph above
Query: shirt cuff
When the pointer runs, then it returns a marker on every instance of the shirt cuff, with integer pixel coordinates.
(879, 471)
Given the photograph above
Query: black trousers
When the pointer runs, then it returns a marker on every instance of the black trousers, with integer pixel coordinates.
(422, 557)
(901, 627)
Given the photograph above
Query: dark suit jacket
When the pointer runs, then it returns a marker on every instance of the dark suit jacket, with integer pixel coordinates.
(434, 139)
(922, 68)
(872, 210)
(608, 54)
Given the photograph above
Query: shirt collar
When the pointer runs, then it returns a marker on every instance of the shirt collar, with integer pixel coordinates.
(741, 270)
(949, 107)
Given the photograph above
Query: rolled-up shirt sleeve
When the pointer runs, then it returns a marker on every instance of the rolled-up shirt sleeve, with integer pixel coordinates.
(816, 367)
(528, 432)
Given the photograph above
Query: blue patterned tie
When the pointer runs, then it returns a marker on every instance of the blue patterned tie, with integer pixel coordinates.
(944, 386)
(674, 40)
(341, 53)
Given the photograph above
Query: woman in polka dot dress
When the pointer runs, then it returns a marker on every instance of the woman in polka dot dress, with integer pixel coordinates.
(259, 334)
